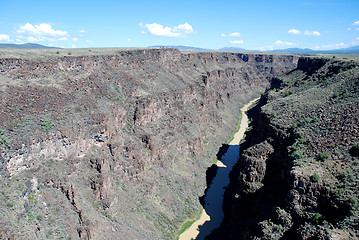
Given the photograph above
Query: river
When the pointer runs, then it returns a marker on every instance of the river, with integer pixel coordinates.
(212, 214)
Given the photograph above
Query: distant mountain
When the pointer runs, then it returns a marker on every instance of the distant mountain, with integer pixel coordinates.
(232, 49)
(24, 46)
(188, 48)
(295, 50)
(350, 50)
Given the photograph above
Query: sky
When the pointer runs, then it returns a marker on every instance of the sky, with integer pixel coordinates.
(252, 25)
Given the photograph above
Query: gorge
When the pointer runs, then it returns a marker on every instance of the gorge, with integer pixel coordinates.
(115, 143)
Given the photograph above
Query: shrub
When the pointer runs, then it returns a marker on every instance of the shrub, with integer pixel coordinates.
(4, 140)
(46, 124)
(317, 217)
(30, 216)
(297, 154)
(353, 202)
(335, 95)
(322, 156)
(315, 177)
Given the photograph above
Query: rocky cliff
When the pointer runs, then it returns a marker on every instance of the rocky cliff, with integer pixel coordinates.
(114, 144)
(297, 177)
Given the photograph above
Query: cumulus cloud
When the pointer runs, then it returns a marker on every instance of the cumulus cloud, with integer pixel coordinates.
(283, 43)
(156, 29)
(235, 34)
(41, 32)
(356, 23)
(311, 33)
(294, 31)
(82, 32)
(236, 42)
(4, 38)
(75, 39)
(306, 32)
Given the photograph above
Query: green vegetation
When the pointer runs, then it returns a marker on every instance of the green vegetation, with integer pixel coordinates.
(335, 95)
(322, 156)
(187, 224)
(297, 154)
(315, 177)
(317, 217)
(353, 203)
(238, 126)
(345, 176)
(30, 216)
(4, 140)
(46, 124)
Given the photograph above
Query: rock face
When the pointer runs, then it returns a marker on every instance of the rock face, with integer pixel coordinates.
(298, 173)
(115, 145)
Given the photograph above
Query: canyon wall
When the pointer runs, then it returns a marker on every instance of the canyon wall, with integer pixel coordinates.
(297, 177)
(116, 145)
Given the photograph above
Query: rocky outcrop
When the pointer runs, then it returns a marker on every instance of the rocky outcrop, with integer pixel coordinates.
(297, 177)
(120, 142)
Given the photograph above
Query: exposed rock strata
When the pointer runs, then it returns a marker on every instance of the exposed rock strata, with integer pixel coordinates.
(297, 177)
(119, 143)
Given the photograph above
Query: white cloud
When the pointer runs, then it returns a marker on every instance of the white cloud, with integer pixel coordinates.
(40, 32)
(306, 32)
(5, 38)
(294, 31)
(32, 39)
(82, 32)
(282, 43)
(311, 33)
(356, 23)
(129, 40)
(236, 42)
(334, 46)
(75, 39)
(235, 34)
(181, 30)
(89, 41)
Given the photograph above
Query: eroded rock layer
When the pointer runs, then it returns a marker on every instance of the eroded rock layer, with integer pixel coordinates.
(115, 145)
(298, 173)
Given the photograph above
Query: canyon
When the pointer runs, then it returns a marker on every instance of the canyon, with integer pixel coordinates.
(115, 143)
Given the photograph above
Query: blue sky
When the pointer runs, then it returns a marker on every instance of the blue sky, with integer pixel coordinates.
(257, 24)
